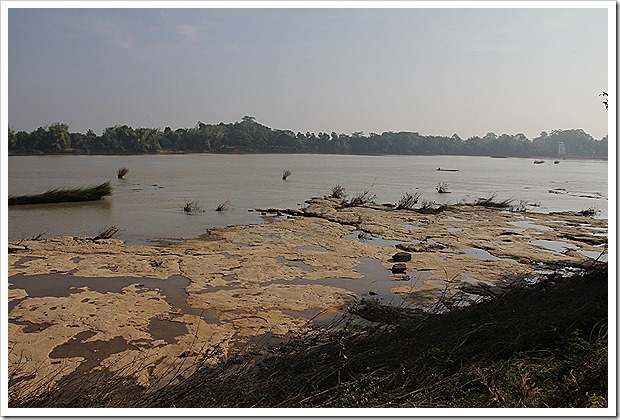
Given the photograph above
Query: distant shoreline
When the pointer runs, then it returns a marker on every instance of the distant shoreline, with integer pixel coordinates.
(605, 158)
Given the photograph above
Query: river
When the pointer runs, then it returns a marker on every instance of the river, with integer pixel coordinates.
(147, 205)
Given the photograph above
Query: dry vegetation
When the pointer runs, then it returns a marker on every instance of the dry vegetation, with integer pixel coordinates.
(122, 172)
(64, 195)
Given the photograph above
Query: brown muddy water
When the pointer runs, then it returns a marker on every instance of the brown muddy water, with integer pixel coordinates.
(147, 206)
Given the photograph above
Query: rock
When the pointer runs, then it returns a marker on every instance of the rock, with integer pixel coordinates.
(400, 277)
(399, 267)
(401, 256)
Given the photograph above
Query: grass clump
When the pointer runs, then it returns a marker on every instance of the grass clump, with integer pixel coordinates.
(442, 187)
(408, 201)
(338, 191)
(192, 207)
(107, 232)
(286, 174)
(365, 197)
(223, 206)
(122, 172)
(590, 211)
(64, 195)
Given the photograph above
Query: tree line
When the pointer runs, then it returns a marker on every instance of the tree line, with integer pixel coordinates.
(249, 136)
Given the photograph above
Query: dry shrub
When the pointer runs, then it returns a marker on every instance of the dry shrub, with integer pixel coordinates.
(407, 201)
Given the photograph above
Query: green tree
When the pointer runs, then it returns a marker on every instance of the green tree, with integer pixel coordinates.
(12, 139)
(59, 137)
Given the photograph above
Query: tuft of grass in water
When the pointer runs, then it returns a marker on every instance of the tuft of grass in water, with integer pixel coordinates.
(223, 206)
(442, 187)
(590, 211)
(107, 232)
(192, 207)
(64, 195)
(491, 201)
(286, 174)
(122, 172)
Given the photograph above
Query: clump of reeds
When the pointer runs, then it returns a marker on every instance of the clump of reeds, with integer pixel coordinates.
(223, 206)
(192, 207)
(64, 195)
(442, 187)
(364, 236)
(428, 207)
(491, 201)
(286, 174)
(407, 201)
(362, 198)
(520, 207)
(36, 237)
(122, 172)
(106, 233)
(338, 191)
(365, 197)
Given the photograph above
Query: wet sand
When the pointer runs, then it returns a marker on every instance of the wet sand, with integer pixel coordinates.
(77, 304)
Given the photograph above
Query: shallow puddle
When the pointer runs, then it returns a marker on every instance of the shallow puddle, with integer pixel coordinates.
(167, 330)
(61, 285)
(524, 224)
(453, 219)
(557, 247)
(23, 260)
(375, 284)
(481, 254)
(93, 352)
(595, 255)
(362, 236)
(409, 226)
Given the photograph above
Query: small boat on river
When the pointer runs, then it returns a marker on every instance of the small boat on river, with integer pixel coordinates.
(447, 170)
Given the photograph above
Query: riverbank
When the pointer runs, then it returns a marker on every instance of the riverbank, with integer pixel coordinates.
(233, 152)
(78, 304)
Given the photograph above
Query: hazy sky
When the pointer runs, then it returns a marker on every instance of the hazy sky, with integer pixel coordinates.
(436, 71)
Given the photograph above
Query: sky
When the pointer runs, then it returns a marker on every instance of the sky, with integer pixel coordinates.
(436, 71)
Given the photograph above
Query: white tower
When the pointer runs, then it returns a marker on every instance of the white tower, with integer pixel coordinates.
(561, 148)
